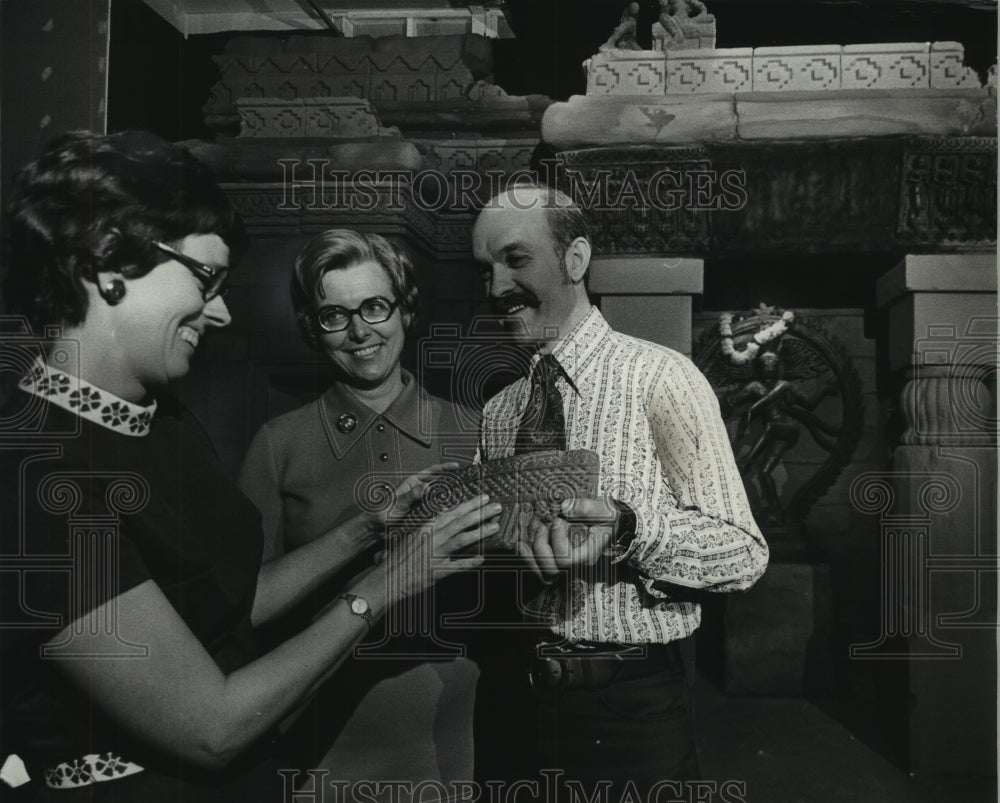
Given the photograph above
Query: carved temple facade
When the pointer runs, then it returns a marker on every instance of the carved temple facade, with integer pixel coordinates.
(870, 164)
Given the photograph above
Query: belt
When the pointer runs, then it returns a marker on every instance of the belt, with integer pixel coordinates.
(554, 669)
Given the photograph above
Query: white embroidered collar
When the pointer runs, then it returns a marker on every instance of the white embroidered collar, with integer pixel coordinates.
(100, 406)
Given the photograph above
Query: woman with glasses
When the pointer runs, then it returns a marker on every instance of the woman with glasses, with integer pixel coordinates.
(381, 718)
(132, 579)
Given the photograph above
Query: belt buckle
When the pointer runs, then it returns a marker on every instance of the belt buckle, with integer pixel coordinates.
(548, 677)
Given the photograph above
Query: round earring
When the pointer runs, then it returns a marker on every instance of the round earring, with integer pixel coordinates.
(113, 292)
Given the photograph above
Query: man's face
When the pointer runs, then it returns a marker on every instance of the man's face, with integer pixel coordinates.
(525, 279)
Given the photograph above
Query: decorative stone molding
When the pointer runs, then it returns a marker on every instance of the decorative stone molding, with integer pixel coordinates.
(389, 69)
(949, 405)
(626, 72)
(948, 70)
(743, 198)
(865, 113)
(892, 65)
(812, 68)
(433, 19)
(619, 189)
(590, 120)
(942, 318)
(710, 71)
(328, 118)
(486, 156)
(789, 69)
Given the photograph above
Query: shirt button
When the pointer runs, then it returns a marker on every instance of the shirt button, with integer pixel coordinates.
(384, 456)
(380, 427)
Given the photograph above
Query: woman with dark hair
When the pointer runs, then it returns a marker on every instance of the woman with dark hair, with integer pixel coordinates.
(355, 298)
(132, 563)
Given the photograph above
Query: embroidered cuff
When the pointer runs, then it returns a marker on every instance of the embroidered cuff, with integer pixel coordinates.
(91, 768)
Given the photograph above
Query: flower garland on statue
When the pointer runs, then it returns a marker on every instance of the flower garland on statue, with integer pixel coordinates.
(760, 338)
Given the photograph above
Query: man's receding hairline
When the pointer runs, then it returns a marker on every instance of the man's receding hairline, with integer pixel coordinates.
(519, 194)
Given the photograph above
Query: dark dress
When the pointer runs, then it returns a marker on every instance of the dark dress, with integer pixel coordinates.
(83, 493)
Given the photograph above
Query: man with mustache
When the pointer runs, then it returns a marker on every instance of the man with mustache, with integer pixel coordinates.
(594, 686)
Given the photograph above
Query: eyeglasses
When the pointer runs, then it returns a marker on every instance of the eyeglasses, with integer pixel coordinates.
(213, 277)
(333, 318)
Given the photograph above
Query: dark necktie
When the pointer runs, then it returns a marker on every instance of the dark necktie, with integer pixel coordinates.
(543, 425)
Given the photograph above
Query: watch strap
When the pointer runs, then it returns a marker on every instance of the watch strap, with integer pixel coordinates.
(366, 614)
(624, 532)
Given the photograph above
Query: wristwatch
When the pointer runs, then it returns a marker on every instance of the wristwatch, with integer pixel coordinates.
(624, 532)
(359, 607)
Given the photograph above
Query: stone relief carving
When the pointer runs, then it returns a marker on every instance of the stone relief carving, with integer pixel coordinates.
(948, 190)
(692, 66)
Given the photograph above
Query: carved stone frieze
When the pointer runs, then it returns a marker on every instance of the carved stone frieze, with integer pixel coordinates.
(812, 68)
(820, 197)
(327, 118)
(948, 192)
(809, 197)
(637, 200)
(485, 155)
(390, 69)
(951, 405)
(947, 63)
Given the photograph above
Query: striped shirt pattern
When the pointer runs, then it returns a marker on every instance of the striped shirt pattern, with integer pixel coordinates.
(654, 421)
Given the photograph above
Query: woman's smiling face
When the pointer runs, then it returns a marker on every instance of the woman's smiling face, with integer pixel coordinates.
(163, 315)
(365, 354)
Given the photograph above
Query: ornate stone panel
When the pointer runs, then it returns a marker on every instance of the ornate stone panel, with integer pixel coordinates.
(783, 69)
(627, 72)
(636, 199)
(889, 65)
(804, 68)
(388, 69)
(807, 197)
(826, 196)
(947, 62)
(338, 118)
(948, 192)
(710, 71)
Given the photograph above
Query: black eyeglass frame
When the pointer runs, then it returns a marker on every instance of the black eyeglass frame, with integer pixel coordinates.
(212, 277)
(350, 313)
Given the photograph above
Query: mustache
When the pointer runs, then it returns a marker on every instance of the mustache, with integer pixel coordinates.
(515, 298)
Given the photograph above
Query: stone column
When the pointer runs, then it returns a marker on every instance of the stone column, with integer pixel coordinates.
(942, 337)
(648, 297)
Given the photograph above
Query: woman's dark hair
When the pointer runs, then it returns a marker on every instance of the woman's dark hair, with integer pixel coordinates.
(94, 202)
(338, 249)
